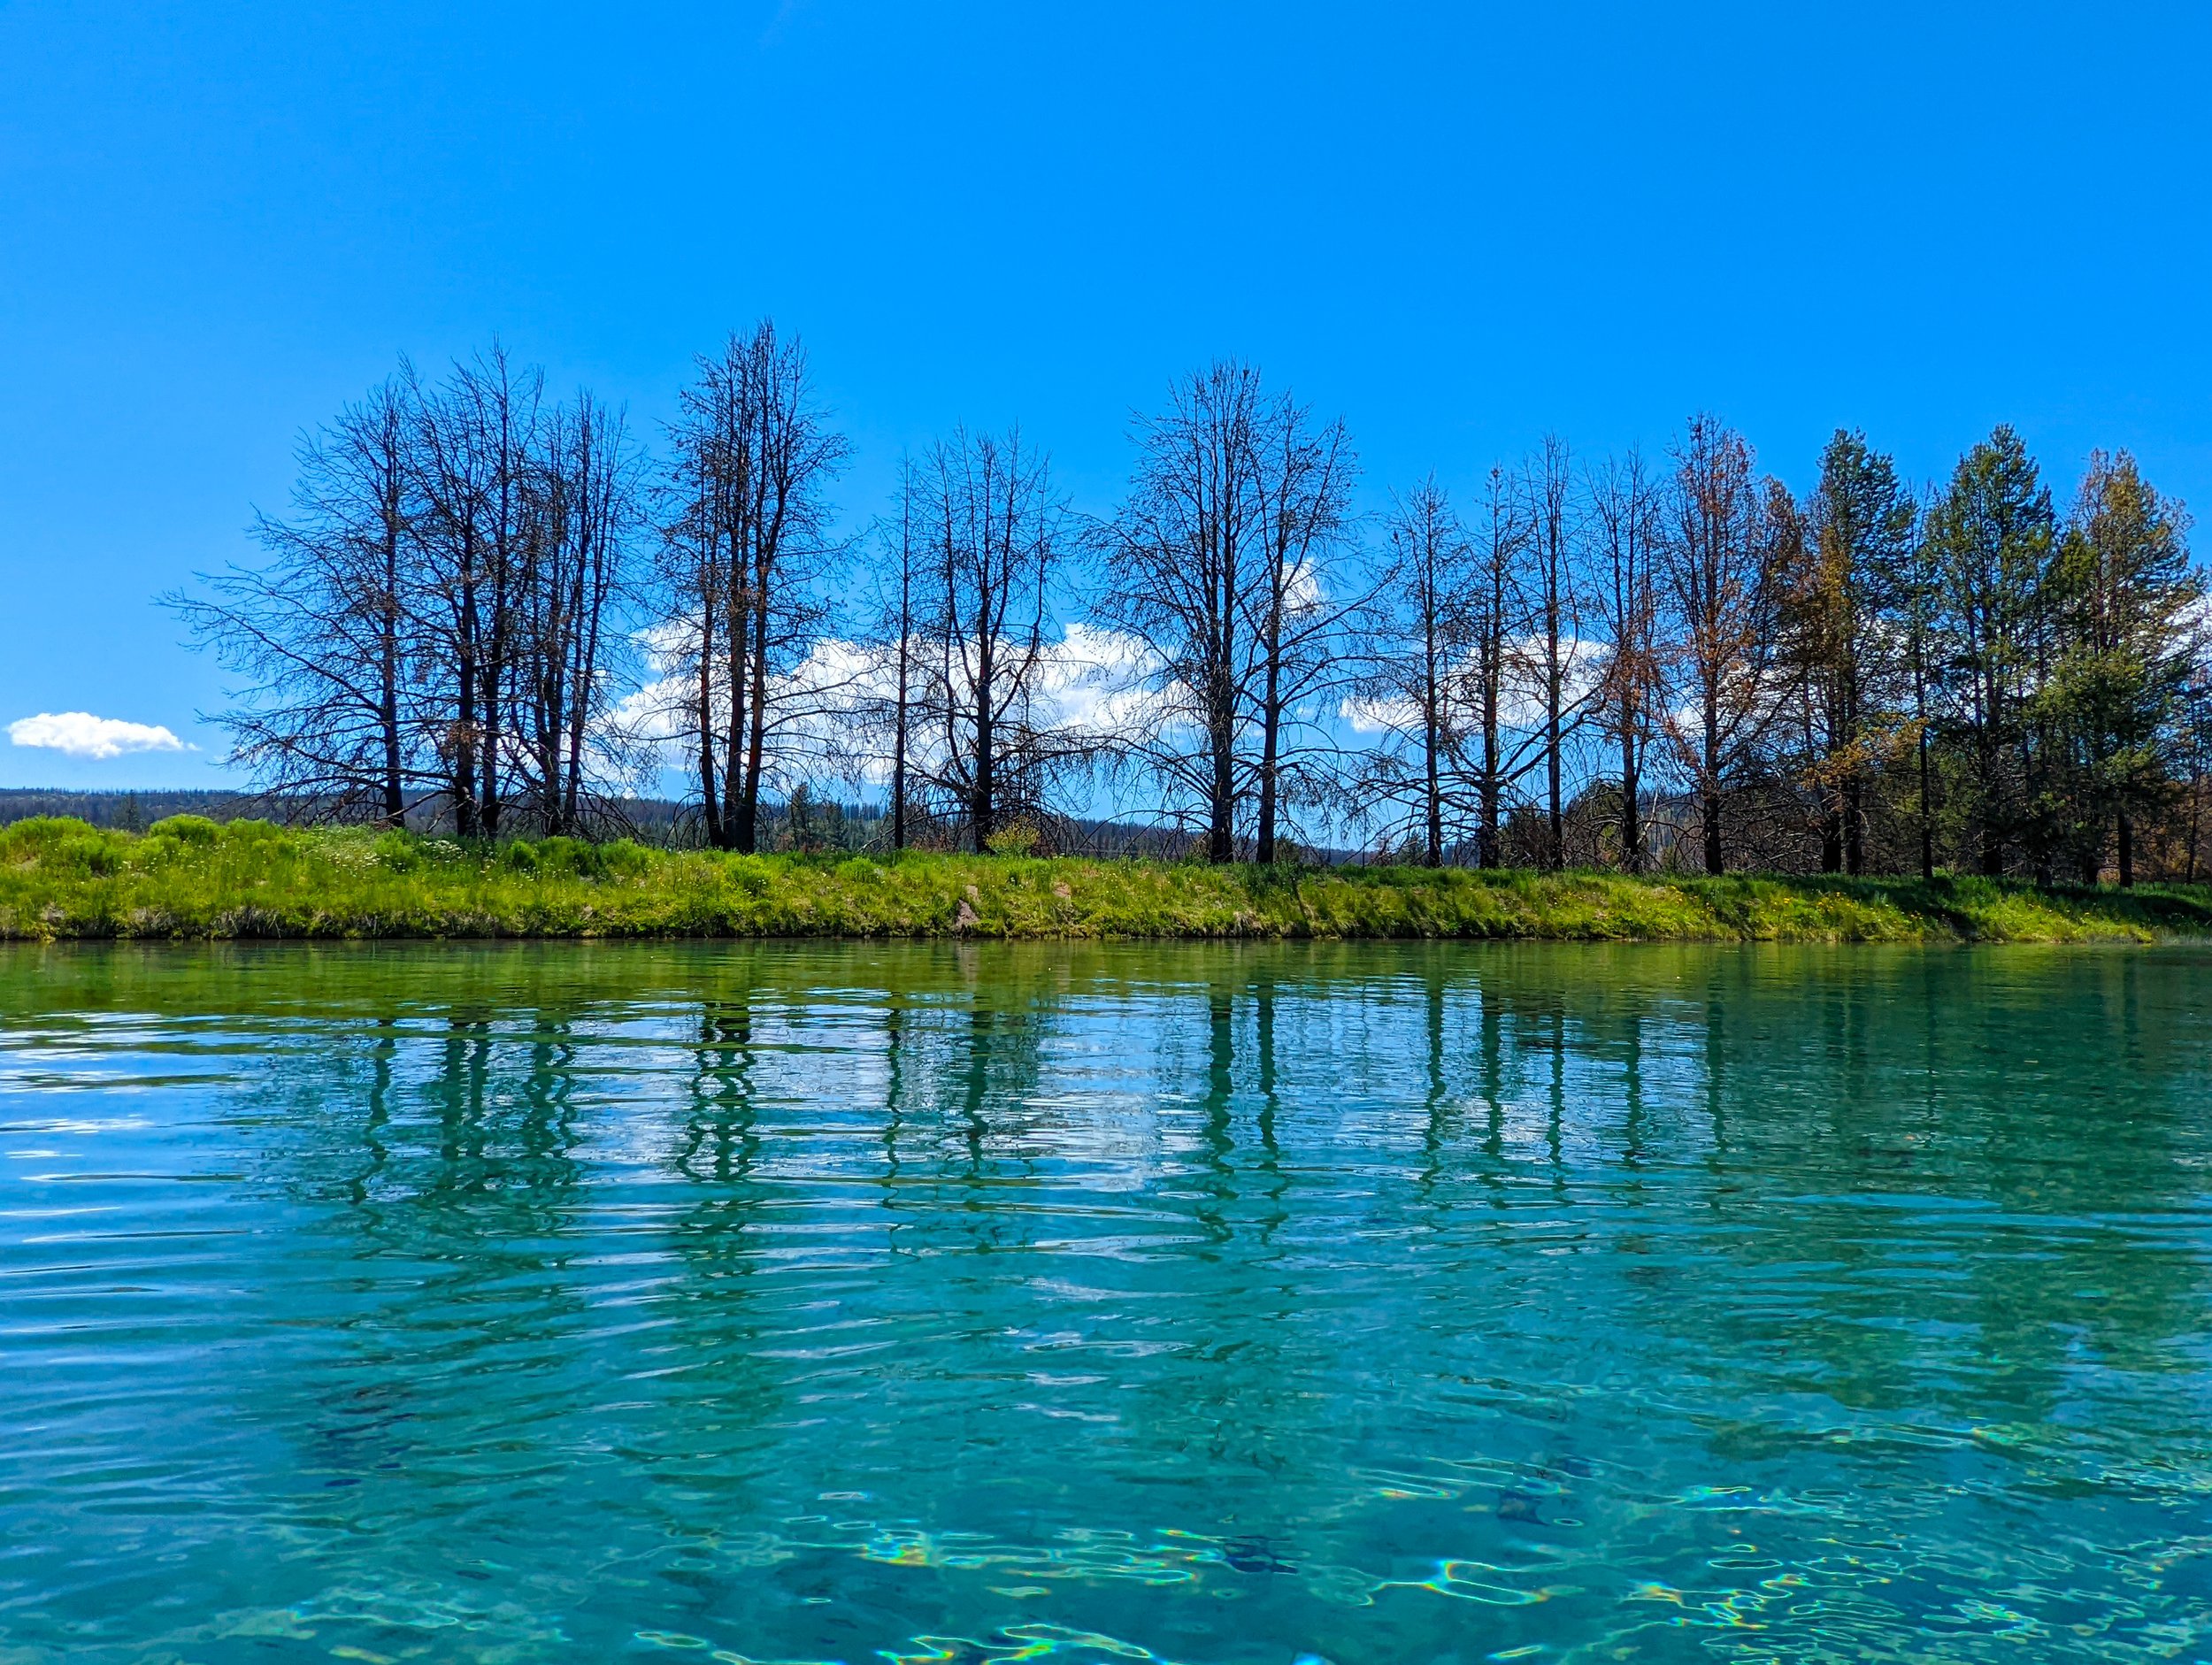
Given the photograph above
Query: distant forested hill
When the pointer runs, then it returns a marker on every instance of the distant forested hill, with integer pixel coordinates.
(132, 811)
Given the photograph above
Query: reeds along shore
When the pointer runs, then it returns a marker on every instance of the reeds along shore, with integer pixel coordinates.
(188, 878)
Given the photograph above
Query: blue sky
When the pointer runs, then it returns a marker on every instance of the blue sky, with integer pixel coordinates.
(1458, 227)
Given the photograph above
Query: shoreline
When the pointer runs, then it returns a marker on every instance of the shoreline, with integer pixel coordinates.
(190, 880)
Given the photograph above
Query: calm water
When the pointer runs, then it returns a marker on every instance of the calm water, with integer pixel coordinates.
(946, 1304)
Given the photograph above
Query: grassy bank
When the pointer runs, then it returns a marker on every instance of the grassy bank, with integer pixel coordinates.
(188, 878)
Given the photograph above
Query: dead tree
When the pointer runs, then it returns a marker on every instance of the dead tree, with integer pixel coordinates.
(747, 544)
(1504, 749)
(1186, 572)
(476, 439)
(1303, 476)
(322, 634)
(1415, 691)
(995, 533)
(1717, 559)
(1554, 600)
(1624, 519)
(583, 511)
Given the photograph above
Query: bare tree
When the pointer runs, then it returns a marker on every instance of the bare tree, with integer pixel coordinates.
(1555, 604)
(476, 437)
(1303, 474)
(1716, 560)
(582, 516)
(1498, 620)
(996, 534)
(747, 543)
(321, 632)
(901, 632)
(1414, 689)
(1187, 569)
(1624, 504)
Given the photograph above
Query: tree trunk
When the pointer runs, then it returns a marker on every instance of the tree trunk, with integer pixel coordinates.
(1631, 828)
(1556, 834)
(748, 802)
(387, 718)
(1269, 729)
(1435, 794)
(2127, 851)
(1221, 831)
(740, 713)
(1709, 798)
(707, 795)
(898, 730)
(983, 787)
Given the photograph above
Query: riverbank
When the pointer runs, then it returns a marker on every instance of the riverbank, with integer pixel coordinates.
(189, 879)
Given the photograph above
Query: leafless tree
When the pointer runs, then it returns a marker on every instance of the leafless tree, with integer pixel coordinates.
(1555, 603)
(1424, 622)
(321, 632)
(1623, 510)
(1303, 474)
(1188, 568)
(476, 439)
(583, 511)
(747, 544)
(900, 632)
(996, 533)
(1717, 559)
(1498, 620)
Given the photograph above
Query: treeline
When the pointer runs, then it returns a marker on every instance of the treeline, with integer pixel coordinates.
(496, 611)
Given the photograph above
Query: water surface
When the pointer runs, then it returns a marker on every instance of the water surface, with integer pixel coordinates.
(951, 1303)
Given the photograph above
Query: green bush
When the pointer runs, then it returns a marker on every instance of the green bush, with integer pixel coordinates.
(398, 852)
(562, 855)
(186, 829)
(624, 859)
(63, 845)
(249, 834)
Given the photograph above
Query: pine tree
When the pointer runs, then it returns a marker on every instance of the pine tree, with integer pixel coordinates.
(1859, 521)
(1990, 534)
(2121, 593)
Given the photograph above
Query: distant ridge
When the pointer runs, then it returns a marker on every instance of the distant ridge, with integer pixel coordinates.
(130, 810)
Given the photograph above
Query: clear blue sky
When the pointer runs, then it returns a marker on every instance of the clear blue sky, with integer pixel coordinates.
(1457, 226)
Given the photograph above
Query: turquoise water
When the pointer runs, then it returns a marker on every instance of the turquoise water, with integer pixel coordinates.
(959, 1304)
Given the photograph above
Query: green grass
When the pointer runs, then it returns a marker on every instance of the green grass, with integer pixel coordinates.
(188, 878)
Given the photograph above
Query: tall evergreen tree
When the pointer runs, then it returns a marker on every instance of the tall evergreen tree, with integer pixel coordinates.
(1860, 520)
(2121, 595)
(1989, 534)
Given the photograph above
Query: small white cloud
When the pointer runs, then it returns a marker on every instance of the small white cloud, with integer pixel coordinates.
(81, 734)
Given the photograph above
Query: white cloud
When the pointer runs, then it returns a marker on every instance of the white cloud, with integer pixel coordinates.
(1088, 682)
(1582, 658)
(81, 734)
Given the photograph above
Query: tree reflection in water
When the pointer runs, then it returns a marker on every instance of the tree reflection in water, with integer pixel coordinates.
(802, 1301)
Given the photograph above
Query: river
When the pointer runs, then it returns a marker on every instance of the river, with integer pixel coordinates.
(1211, 1304)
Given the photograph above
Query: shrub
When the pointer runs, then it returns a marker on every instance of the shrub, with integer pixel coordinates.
(1020, 839)
(397, 852)
(563, 854)
(186, 829)
(62, 844)
(623, 859)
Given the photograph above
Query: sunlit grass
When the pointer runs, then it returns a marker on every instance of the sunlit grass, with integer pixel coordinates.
(188, 877)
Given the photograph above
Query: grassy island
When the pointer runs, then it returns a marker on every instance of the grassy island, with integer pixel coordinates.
(187, 878)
